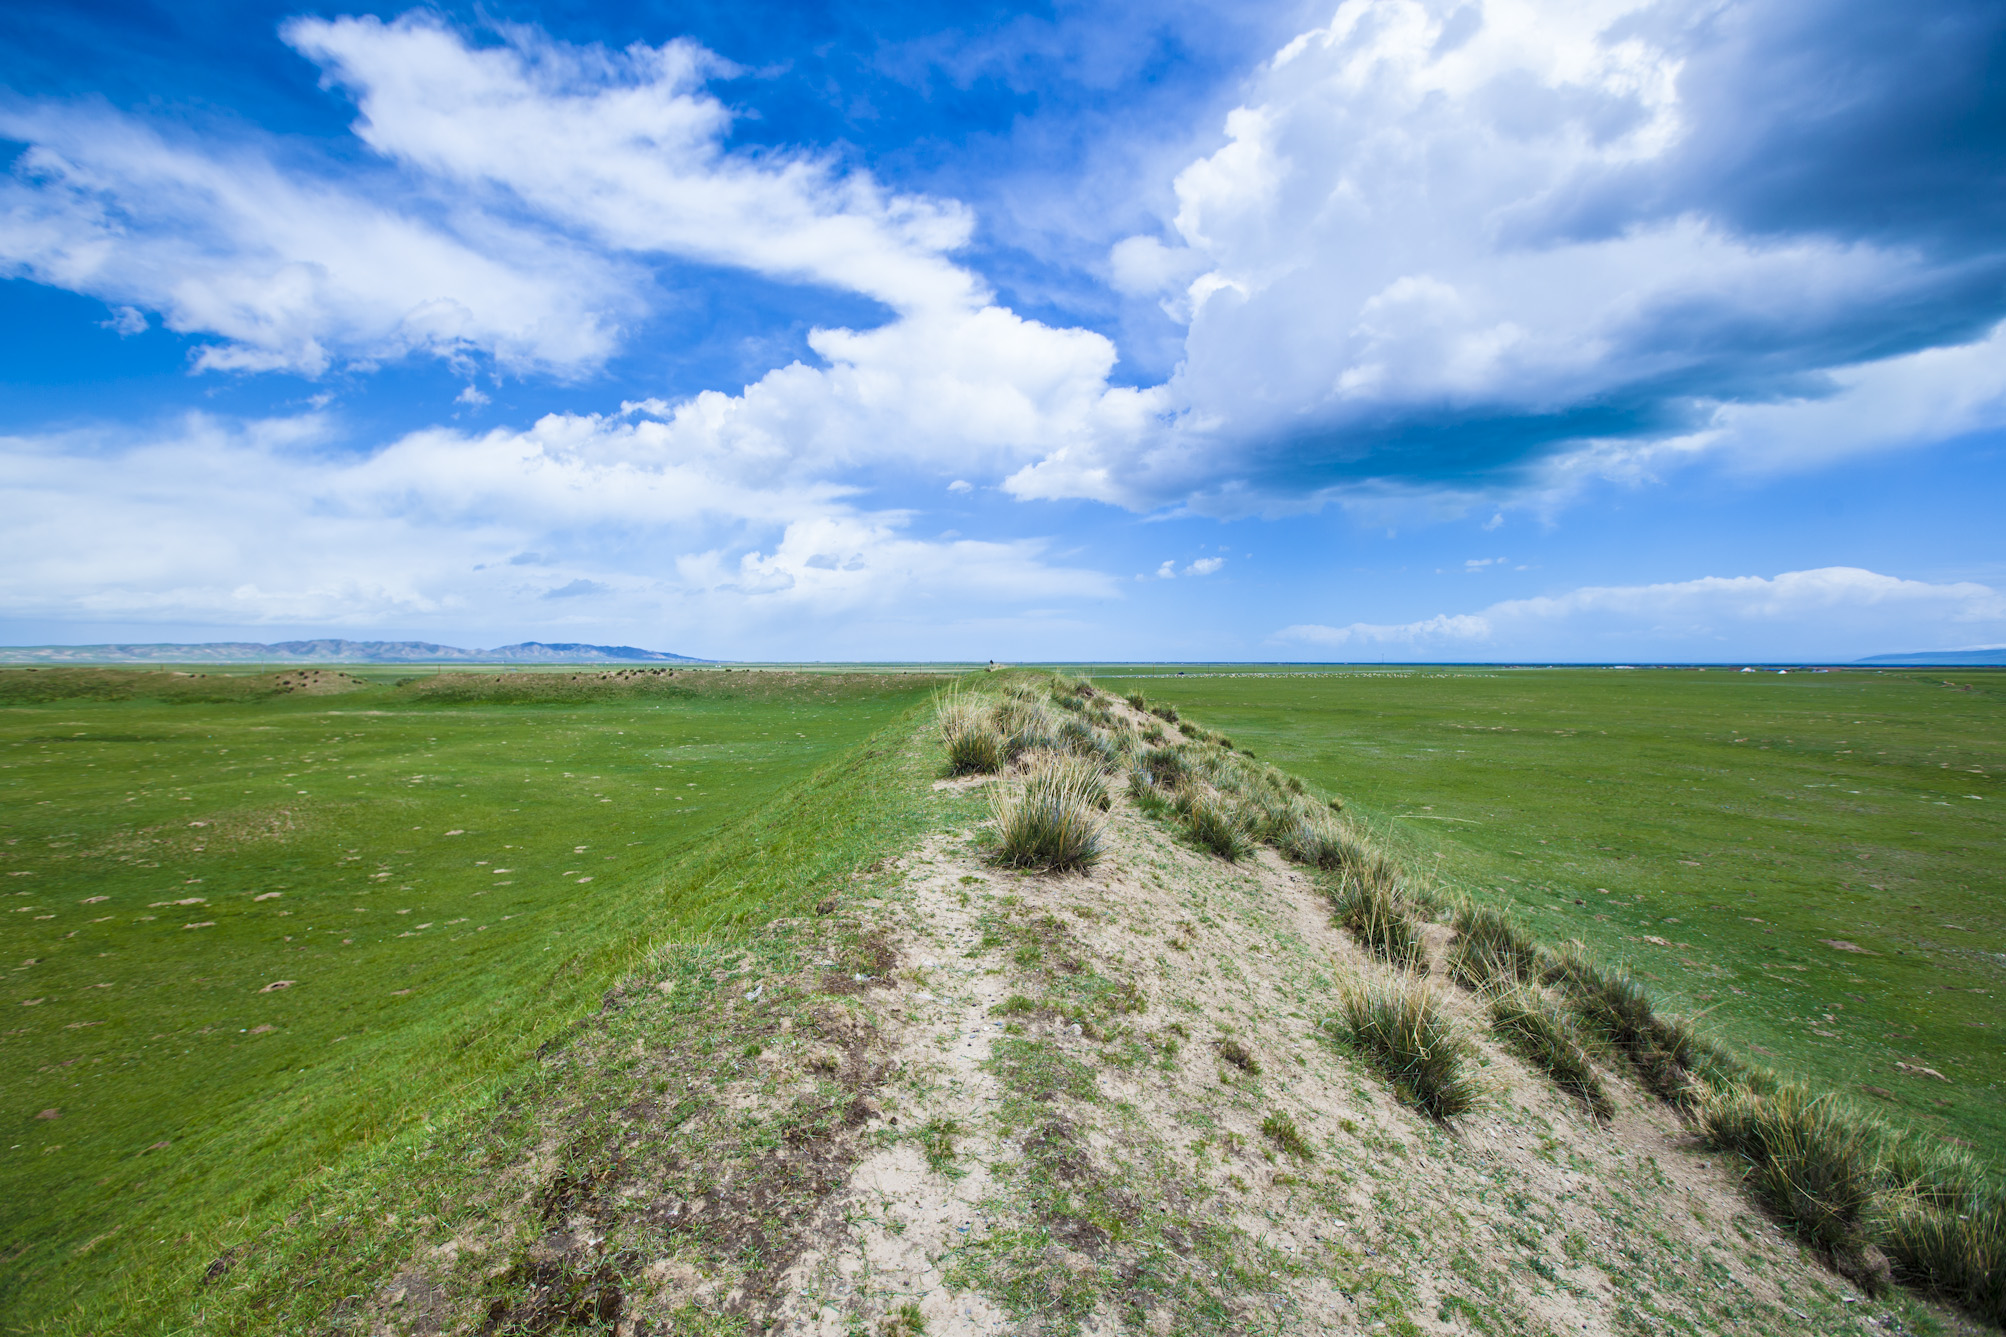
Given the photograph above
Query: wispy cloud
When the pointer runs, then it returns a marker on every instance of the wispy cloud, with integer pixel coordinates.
(1839, 612)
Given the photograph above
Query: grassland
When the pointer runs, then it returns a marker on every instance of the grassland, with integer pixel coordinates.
(262, 926)
(1810, 859)
(451, 870)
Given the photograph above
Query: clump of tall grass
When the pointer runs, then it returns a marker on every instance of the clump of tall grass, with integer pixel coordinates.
(1956, 1256)
(1670, 1057)
(1165, 712)
(974, 747)
(1269, 809)
(1492, 948)
(977, 750)
(1055, 820)
(1025, 726)
(1810, 1158)
(1373, 910)
(1083, 740)
(1310, 836)
(1146, 796)
(1165, 766)
(1212, 824)
(1933, 1173)
(1541, 1032)
(1403, 1030)
(1137, 701)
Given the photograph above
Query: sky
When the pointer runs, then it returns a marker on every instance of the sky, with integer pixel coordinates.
(1480, 330)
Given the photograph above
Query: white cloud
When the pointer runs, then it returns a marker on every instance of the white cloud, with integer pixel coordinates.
(1390, 288)
(567, 170)
(1837, 613)
(471, 397)
(275, 522)
(1168, 571)
(1204, 566)
(288, 270)
(537, 181)
(1369, 264)
(627, 148)
(1438, 630)
(126, 321)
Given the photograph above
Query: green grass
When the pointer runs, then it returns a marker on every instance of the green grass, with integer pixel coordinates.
(1744, 821)
(435, 913)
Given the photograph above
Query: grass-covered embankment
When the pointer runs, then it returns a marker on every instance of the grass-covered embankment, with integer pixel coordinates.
(408, 859)
(1879, 1198)
(1734, 837)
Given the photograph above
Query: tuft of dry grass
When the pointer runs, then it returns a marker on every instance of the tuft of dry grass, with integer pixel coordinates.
(1311, 836)
(1025, 726)
(1541, 1032)
(1372, 909)
(1810, 1158)
(1932, 1172)
(974, 747)
(1492, 949)
(1955, 1256)
(1055, 820)
(1402, 1029)
(1213, 825)
(1082, 739)
(1670, 1057)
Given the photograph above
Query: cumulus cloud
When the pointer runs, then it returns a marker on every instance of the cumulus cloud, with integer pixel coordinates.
(1449, 246)
(1838, 612)
(1204, 566)
(569, 171)
(125, 322)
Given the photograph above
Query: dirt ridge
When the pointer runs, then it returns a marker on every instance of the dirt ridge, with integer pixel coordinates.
(977, 1101)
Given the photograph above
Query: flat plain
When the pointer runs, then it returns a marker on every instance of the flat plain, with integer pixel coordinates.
(269, 935)
(256, 923)
(1810, 860)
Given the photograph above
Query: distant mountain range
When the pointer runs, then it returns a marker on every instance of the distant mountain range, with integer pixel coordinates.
(337, 652)
(1991, 654)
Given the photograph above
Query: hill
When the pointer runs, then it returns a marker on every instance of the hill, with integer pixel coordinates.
(334, 651)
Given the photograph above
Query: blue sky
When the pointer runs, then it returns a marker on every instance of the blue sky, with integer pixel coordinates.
(1598, 330)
